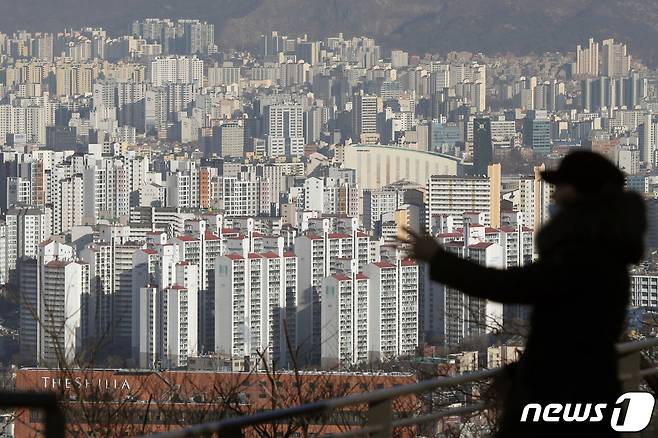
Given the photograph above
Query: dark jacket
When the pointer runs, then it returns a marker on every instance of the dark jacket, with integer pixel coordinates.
(579, 291)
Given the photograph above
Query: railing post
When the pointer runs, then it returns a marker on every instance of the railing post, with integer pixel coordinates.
(380, 415)
(629, 374)
(55, 424)
(629, 370)
(232, 432)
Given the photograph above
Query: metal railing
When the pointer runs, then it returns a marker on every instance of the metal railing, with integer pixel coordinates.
(380, 421)
(34, 400)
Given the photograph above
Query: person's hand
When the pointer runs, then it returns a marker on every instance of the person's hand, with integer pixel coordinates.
(421, 247)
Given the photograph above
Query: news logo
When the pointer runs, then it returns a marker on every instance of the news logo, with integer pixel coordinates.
(631, 412)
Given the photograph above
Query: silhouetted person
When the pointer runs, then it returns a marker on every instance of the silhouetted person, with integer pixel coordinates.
(578, 290)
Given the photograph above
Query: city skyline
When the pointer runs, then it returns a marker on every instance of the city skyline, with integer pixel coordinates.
(521, 28)
(172, 206)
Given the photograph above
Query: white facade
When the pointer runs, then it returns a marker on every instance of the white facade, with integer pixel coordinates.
(4, 271)
(587, 59)
(644, 289)
(320, 252)
(253, 297)
(179, 316)
(165, 318)
(181, 70)
(27, 116)
(107, 190)
(19, 191)
(241, 196)
(26, 229)
(345, 315)
(152, 268)
(285, 130)
(393, 309)
(65, 283)
(377, 166)
(99, 258)
(377, 202)
(450, 195)
(68, 203)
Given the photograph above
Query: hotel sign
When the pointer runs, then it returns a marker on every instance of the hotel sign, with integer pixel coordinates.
(105, 384)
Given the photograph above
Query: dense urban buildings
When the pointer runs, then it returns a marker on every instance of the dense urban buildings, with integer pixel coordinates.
(170, 204)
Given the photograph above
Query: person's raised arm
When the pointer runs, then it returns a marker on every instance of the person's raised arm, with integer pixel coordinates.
(523, 285)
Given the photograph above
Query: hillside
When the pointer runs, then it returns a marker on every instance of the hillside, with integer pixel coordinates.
(518, 26)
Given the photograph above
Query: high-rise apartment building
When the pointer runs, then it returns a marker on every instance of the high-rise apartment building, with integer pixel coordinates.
(285, 130)
(107, 184)
(4, 272)
(470, 82)
(65, 284)
(393, 309)
(130, 104)
(345, 312)
(587, 59)
(255, 303)
(26, 228)
(466, 316)
(165, 305)
(456, 195)
(99, 259)
(615, 60)
(32, 307)
(178, 70)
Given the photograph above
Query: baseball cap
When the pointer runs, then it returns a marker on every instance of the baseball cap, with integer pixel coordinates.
(589, 172)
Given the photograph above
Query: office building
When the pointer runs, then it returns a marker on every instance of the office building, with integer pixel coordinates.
(537, 132)
(228, 140)
(482, 146)
(365, 115)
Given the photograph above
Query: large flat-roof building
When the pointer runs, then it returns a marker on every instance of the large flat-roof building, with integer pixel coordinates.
(378, 165)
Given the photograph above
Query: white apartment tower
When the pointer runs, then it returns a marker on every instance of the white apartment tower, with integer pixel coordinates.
(615, 60)
(456, 195)
(106, 189)
(285, 130)
(587, 59)
(26, 228)
(393, 309)
(320, 253)
(65, 283)
(345, 313)
(178, 70)
(68, 203)
(254, 295)
(165, 318)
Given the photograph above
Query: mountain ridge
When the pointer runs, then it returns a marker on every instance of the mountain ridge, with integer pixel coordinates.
(420, 26)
